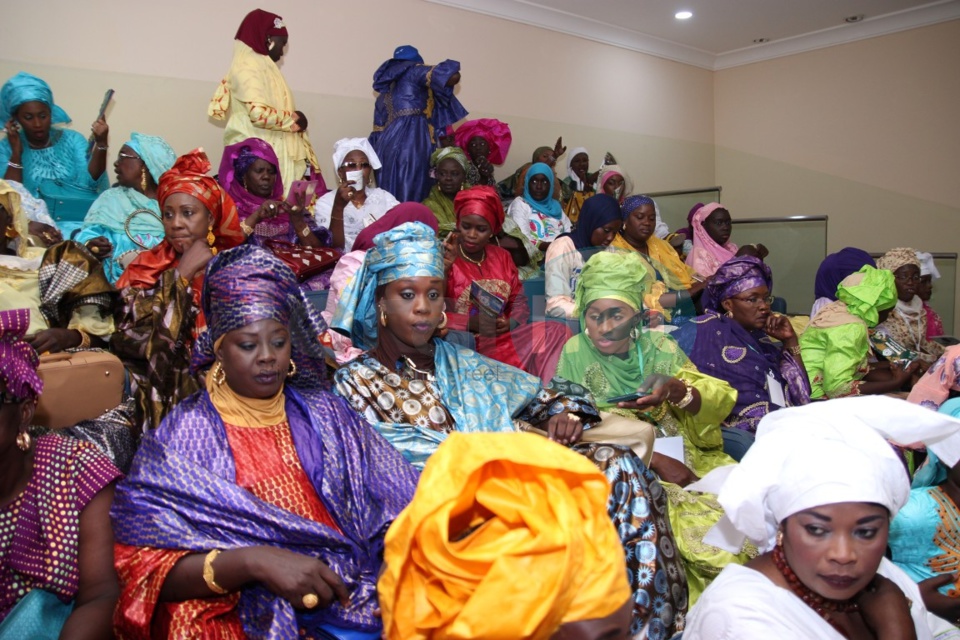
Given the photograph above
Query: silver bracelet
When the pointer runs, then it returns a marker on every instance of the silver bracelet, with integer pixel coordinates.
(102, 147)
(14, 165)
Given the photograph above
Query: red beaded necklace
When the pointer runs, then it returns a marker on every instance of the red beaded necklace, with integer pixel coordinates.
(823, 606)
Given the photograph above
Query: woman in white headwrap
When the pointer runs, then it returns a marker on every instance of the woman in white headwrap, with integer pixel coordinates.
(816, 492)
(355, 203)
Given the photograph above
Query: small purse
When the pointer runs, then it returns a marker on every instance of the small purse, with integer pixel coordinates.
(66, 202)
(305, 262)
(78, 385)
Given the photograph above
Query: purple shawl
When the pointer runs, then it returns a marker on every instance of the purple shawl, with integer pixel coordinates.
(233, 166)
(181, 494)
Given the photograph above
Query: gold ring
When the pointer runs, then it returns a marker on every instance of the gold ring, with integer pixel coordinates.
(95, 249)
(310, 600)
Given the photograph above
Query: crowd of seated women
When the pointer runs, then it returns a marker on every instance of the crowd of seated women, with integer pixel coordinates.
(660, 454)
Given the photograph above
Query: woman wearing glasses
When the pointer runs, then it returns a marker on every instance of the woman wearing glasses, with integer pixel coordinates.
(741, 341)
(355, 203)
(907, 323)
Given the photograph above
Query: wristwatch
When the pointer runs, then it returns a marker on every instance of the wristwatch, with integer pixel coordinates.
(687, 397)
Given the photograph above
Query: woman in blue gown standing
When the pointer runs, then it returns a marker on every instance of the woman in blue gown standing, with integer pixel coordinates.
(415, 102)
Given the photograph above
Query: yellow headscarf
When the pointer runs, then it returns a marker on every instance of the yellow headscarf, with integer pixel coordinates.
(10, 199)
(507, 536)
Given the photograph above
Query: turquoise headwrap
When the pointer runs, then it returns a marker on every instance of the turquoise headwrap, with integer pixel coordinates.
(155, 153)
(408, 251)
(548, 206)
(24, 87)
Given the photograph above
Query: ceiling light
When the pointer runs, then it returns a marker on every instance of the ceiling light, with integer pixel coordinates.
(683, 15)
(761, 40)
(856, 18)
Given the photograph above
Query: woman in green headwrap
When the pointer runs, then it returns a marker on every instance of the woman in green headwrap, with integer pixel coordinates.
(612, 357)
(836, 343)
(450, 169)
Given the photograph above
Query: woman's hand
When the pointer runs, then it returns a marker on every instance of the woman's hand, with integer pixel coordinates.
(937, 603)
(12, 129)
(301, 120)
(779, 328)
(450, 250)
(559, 149)
(671, 470)
(658, 388)
(345, 192)
(54, 340)
(503, 325)
(901, 374)
(49, 235)
(100, 130)
(292, 576)
(454, 80)
(268, 209)
(484, 168)
(565, 428)
(100, 247)
(194, 259)
(885, 610)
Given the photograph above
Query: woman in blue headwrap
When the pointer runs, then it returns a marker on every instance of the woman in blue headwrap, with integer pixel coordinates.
(259, 506)
(598, 225)
(125, 220)
(417, 388)
(538, 214)
(34, 150)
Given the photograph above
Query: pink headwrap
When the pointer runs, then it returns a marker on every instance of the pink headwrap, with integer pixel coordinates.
(706, 255)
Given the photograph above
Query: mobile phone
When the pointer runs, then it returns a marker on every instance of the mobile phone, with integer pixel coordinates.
(630, 397)
(304, 189)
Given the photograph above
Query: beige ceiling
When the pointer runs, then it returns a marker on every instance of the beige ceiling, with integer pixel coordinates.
(721, 33)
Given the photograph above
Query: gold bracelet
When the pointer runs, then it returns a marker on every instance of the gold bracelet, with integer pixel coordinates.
(247, 229)
(795, 350)
(208, 572)
(84, 339)
(687, 397)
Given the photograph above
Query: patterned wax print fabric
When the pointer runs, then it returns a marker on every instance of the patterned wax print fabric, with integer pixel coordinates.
(907, 324)
(18, 360)
(40, 528)
(183, 495)
(413, 108)
(256, 102)
(940, 381)
(478, 394)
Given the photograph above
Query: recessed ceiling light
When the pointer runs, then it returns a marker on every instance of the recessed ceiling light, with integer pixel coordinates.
(683, 15)
(856, 18)
(761, 40)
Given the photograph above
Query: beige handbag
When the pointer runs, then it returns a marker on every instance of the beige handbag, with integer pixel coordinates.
(77, 386)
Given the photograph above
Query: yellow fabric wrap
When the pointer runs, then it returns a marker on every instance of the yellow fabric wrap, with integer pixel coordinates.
(507, 536)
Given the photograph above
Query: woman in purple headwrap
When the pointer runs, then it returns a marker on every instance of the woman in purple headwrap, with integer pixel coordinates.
(735, 341)
(56, 545)
(258, 507)
(831, 272)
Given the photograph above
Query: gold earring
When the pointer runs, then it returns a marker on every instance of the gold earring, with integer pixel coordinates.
(383, 317)
(143, 179)
(780, 537)
(23, 441)
(293, 369)
(729, 313)
(586, 331)
(219, 375)
(211, 239)
(443, 322)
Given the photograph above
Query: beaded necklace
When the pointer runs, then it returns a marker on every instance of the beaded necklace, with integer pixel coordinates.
(823, 606)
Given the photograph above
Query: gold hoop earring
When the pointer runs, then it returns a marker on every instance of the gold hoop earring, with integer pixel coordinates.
(24, 441)
(219, 375)
(143, 180)
(293, 369)
(443, 322)
(383, 317)
(780, 538)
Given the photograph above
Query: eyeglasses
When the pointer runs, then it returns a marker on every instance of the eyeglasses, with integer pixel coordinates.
(901, 278)
(353, 166)
(754, 301)
(121, 156)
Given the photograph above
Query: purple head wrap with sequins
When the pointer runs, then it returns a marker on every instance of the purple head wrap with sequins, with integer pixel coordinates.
(736, 276)
(18, 360)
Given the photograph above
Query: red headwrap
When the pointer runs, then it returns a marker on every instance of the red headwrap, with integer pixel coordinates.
(188, 175)
(480, 201)
(257, 27)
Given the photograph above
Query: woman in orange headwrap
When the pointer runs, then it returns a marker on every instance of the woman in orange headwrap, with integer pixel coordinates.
(471, 260)
(160, 290)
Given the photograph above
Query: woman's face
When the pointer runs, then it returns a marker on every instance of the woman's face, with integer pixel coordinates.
(750, 308)
(539, 187)
(276, 46)
(925, 287)
(608, 324)
(718, 226)
(641, 223)
(256, 358)
(129, 168)
(835, 549)
(185, 221)
(475, 233)
(580, 164)
(478, 147)
(907, 279)
(450, 177)
(614, 186)
(615, 626)
(414, 308)
(34, 119)
(260, 178)
(547, 157)
(355, 161)
(603, 236)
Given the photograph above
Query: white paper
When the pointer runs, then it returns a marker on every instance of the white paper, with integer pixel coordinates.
(776, 391)
(672, 447)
